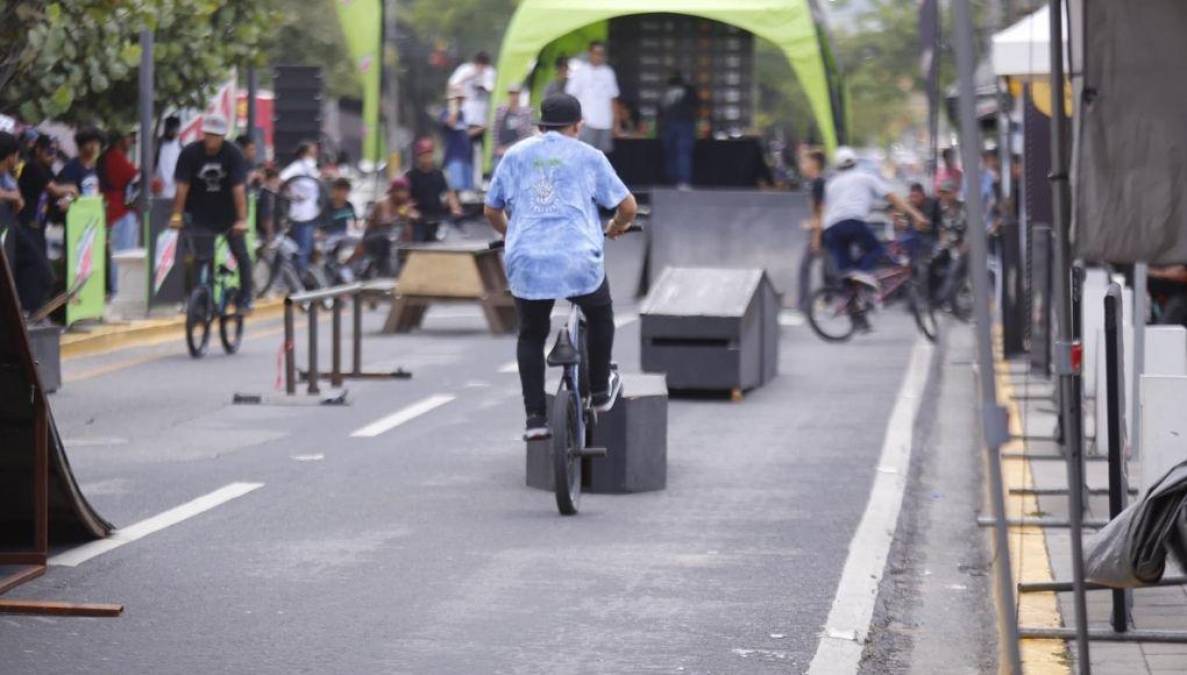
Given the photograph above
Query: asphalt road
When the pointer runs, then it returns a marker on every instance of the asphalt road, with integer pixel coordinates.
(422, 550)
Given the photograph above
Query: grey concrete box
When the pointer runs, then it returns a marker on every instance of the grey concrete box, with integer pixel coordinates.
(711, 329)
(635, 434)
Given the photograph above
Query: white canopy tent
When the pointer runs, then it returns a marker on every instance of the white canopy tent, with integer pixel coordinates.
(1023, 49)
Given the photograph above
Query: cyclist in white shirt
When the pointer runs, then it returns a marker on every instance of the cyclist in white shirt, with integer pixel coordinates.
(849, 197)
(304, 210)
(595, 86)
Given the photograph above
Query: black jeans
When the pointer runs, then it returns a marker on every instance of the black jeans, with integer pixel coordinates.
(534, 326)
(200, 250)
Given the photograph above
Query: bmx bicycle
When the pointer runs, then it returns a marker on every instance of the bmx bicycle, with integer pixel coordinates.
(837, 310)
(572, 418)
(210, 298)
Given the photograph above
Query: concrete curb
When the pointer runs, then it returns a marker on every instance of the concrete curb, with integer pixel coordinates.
(108, 338)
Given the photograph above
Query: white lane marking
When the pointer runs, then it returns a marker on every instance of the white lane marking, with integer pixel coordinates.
(625, 320)
(845, 631)
(126, 535)
(509, 367)
(317, 457)
(403, 415)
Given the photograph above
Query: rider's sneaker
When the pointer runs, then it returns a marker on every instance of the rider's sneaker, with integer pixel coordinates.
(865, 279)
(604, 401)
(537, 428)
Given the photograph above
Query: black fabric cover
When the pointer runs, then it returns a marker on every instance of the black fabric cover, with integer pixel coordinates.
(1131, 167)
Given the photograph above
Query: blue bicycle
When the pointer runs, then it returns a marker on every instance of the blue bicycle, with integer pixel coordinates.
(572, 418)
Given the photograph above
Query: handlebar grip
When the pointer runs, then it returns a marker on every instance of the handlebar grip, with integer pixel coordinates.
(497, 245)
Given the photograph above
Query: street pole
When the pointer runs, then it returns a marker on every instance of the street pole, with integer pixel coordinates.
(1068, 351)
(994, 422)
(253, 91)
(146, 122)
(147, 154)
(391, 79)
(1140, 309)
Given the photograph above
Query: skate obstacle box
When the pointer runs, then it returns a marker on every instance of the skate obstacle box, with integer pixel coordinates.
(634, 433)
(711, 329)
(446, 273)
(40, 502)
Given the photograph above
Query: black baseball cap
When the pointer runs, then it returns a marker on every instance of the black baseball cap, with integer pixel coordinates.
(559, 111)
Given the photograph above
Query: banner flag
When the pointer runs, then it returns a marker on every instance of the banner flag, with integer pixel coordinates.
(362, 23)
(86, 260)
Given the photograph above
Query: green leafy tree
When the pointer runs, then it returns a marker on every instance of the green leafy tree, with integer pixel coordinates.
(78, 61)
(308, 32)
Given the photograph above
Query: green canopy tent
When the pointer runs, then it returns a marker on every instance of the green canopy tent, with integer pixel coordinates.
(789, 24)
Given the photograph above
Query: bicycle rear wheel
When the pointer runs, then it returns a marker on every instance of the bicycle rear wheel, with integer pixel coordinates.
(566, 450)
(924, 311)
(198, 313)
(830, 313)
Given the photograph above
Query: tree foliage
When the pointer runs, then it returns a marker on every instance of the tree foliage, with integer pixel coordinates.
(879, 55)
(78, 61)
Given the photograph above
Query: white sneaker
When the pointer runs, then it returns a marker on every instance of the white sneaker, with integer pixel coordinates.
(604, 401)
(865, 279)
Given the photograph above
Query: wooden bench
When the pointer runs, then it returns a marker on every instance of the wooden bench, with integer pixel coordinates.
(451, 272)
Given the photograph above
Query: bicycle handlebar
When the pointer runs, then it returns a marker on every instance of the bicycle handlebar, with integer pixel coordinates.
(502, 243)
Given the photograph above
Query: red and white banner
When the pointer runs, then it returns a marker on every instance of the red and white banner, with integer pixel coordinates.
(223, 104)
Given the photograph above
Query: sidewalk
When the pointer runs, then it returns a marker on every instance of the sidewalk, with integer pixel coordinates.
(104, 337)
(1044, 554)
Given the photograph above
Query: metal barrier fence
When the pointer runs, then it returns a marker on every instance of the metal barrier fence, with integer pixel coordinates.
(312, 302)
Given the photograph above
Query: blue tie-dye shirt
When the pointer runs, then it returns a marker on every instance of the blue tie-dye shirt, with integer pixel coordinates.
(551, 186)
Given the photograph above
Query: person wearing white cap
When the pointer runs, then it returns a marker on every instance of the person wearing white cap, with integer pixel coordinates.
(849, 197)
(211, 176)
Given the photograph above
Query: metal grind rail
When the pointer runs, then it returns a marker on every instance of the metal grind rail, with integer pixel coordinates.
(312, 303)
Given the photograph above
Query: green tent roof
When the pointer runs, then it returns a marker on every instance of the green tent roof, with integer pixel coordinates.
(789, 24)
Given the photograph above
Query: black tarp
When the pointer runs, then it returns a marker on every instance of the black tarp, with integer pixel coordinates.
(1131, 160)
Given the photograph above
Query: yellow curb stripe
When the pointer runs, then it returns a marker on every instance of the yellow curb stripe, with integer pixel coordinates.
(145, 333)
(1028, 549)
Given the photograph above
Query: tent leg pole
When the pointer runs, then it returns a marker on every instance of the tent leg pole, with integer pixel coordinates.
(1066, 348)
(994, 421)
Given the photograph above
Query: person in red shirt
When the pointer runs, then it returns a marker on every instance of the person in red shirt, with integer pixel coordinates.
(116, 173)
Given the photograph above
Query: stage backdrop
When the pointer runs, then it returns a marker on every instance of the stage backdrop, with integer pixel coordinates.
(789, 24)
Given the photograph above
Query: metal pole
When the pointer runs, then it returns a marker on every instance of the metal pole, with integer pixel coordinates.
(391, 80)
(1067, 350)
(147, 155)
(1115, 403)
(312, 373)
(290, 361)
(357, 336)
(1140, 309)
(146, 121)
(995, 429)
(336, 348)
(253, 91)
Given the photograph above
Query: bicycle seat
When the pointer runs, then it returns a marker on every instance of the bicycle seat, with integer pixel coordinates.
(563, 352)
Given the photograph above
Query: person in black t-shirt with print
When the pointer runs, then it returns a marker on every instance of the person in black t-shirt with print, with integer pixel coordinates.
(211, 176)
(431, 193)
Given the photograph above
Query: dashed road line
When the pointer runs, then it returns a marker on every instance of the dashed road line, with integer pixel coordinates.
(389, 422)
(126, 535)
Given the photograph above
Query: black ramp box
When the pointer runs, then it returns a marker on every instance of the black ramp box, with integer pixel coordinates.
(711, 329)
(635, 435)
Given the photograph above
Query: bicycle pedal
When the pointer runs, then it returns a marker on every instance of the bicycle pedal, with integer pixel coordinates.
(593, 452)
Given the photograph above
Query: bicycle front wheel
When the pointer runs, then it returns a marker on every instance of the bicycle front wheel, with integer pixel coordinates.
(830, 313)
(923, 310)
(230, 330)
(197, 321)
(566, 451)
